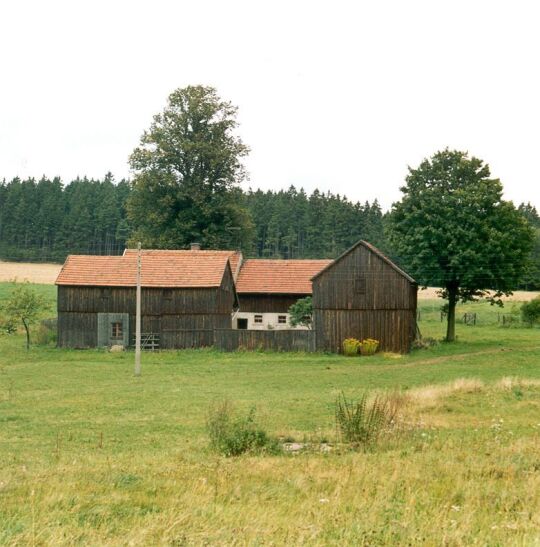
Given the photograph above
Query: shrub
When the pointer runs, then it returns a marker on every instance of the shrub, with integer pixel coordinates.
(232, 435)
(369, 346)
(47, 333)
(351, 346)
(530, 311)
(301, 312)
(361, 423)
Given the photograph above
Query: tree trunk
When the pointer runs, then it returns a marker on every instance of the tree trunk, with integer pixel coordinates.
(27, 334)
(451, 325)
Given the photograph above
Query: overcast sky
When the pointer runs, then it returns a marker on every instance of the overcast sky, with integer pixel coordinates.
(336, 95)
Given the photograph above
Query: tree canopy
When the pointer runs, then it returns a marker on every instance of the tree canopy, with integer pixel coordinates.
(187, 171)
(453, 230)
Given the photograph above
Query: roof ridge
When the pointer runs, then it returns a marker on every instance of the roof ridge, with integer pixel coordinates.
(375, 251)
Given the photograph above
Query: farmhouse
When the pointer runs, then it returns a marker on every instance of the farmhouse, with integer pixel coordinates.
(185, 296)
(198, 298)
(268, 288)
(363, 294)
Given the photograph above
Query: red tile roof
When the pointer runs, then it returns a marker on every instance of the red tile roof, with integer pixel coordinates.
(278, 276)
(235, 257)
(187, 269)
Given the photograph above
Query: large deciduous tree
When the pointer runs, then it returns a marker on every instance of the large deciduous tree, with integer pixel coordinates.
(453, 230)
(187, 170)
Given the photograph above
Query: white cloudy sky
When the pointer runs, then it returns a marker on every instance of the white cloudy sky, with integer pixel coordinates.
(339, 95)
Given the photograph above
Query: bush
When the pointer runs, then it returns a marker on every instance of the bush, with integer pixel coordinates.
(530, 311)
(231, 435)
(369, 346)
(361, 423)
(46, 334)
(351, 346)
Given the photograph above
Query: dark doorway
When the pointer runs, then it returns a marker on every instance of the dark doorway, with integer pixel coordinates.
(241, 324)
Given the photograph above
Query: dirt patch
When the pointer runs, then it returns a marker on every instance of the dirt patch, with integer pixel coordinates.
(24, 271)
(519, 296)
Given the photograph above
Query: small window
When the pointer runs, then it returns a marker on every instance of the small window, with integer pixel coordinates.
(360, 285)
(258, 319)
(282, 319)
(117, 330)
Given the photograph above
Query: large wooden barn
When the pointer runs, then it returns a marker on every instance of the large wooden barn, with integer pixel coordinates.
(193, 298)
(185, 296)
(363, 294)
(267, 288)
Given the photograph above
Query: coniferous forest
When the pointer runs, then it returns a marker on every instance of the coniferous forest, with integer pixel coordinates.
(45, 220)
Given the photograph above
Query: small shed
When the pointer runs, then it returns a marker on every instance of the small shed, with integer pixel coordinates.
(185, 296)
(363, 294)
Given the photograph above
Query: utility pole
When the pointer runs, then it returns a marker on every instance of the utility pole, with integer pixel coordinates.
(138, 316)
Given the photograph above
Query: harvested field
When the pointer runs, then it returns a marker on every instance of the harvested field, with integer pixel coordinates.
(519, 296)
(27, 271)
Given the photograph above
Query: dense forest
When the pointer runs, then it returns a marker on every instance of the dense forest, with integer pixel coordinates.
(291, 224)
(46, 220)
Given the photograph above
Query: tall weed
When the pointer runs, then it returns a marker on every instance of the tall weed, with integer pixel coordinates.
(361, 422)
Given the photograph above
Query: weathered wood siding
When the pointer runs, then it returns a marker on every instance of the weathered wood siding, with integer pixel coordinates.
(268, 303)
(171, 313)
(185, 339)
(362, 296)
(274, 340)
(77, 330)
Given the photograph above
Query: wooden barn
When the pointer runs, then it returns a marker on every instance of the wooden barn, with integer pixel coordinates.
(185, 296)
(363, 294)
(267, 288)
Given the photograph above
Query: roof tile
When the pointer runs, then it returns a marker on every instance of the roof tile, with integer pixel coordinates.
(190, 269)
(278, 276)
(235, 257)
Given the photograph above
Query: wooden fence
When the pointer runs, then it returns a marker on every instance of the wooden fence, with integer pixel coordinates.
(186, 338)
(275, 340)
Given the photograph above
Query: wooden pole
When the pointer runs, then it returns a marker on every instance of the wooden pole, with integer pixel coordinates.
(138, 316)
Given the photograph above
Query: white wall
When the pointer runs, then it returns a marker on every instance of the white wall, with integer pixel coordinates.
(269, 321)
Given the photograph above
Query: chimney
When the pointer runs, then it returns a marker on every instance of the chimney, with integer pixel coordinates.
(195, 246)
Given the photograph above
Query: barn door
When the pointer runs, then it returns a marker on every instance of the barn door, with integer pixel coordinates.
(113, 329)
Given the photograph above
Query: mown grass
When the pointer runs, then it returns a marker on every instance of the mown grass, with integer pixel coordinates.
(89, 454)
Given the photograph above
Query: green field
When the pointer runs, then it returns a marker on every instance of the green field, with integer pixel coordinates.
(91, 455)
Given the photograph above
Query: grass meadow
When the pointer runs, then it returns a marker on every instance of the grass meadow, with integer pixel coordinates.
(91, 455)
